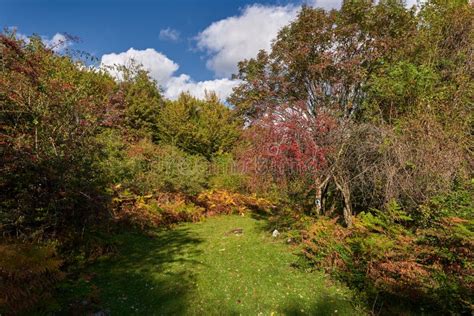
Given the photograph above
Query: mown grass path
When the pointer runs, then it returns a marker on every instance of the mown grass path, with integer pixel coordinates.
(204, 269)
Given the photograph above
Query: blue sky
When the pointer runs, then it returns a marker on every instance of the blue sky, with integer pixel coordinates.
(106, 26)
(192, 44)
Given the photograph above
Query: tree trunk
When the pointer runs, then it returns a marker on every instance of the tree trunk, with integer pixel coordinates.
(318, 201)
(319, 196)
(343, 187)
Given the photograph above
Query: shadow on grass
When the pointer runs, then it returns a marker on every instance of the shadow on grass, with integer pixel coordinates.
(325, 306)
(281, 220)
(150, 276)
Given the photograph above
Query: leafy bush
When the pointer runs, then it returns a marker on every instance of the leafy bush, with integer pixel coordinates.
(456, 203)
(117, 164)
(144, 167)
(176, 171)
(225, 174)
(50, 111)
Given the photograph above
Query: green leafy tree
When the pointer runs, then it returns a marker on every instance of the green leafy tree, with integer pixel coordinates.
(142, 100)
(205, 127)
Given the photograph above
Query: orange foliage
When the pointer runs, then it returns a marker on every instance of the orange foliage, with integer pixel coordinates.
(29, 274)
(323, 242)
(225, 202)
(155, 210)
(163, 209)
(431, 265)
(135, 212)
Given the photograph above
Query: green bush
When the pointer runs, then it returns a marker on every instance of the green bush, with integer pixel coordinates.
(182, 172)
(119, 165)
(457, 203)
(144, 167)
(225, 174)
(170, 169)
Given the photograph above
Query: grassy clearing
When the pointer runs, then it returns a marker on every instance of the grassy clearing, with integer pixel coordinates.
(202, 269)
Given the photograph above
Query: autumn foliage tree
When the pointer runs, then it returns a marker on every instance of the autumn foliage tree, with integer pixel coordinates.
(368, 63)
(50, 111)
(290, 147)
(324, 58)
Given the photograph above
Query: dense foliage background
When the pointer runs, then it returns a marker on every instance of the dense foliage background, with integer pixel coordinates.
(354, 132)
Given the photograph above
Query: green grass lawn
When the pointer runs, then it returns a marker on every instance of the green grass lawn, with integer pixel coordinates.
(201, 269)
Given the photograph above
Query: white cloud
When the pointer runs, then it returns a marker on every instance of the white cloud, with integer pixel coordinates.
(169, 34)
(184, 83)
(233, 39)
(336, 4)
(22, 37)
(227, 42)
(327, 4)
(411, 3)
(162, 69)
(57, 43)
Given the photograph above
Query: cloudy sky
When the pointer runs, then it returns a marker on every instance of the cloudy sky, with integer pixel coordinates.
(187, 45)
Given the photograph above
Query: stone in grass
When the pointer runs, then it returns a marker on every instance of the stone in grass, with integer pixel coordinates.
(235, 231)
(275, 233)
